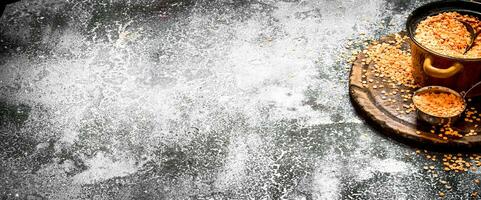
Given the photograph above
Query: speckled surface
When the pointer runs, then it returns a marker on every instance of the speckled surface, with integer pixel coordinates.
(148, 99)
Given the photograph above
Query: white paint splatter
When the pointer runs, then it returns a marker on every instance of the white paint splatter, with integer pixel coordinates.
(196, 72)
(233, 174)
(326, 178)
(101, 168)
(389, 165)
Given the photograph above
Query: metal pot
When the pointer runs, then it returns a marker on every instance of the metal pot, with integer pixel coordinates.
(433, 68)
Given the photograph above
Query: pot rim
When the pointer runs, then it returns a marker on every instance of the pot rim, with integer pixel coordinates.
(440, 5)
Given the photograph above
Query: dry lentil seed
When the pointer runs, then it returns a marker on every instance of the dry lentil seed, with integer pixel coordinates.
(441, 194)
(392, 62)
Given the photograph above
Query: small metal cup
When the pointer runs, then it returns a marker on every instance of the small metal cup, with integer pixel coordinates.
(437, 120)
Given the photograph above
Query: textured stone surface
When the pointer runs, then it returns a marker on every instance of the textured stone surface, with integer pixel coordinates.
(148, 99)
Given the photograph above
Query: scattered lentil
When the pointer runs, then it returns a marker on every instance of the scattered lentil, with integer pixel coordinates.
(441, 194)
(392, 62)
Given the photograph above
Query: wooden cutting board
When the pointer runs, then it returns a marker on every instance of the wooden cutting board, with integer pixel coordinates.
(388, 113)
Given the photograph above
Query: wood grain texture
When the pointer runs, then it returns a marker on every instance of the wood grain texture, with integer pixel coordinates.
(389, 116)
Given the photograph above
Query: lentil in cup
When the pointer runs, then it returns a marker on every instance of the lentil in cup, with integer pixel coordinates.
(438, 105)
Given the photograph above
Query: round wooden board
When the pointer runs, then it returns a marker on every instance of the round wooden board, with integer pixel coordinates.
(388, 113)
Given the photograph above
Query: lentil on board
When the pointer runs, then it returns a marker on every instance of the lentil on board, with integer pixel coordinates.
(392, 62)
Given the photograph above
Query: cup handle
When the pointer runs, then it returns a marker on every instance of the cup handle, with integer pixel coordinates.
(440, 73)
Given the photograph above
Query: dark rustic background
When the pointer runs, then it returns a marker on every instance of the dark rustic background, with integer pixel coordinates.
(222, 99)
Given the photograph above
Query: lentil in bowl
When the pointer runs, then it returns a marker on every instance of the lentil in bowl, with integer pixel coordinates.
(438, 105)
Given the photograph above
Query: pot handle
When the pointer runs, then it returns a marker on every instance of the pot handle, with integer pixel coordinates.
(440, 73)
